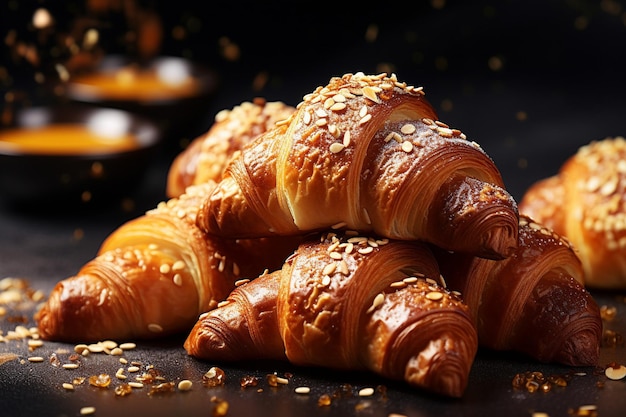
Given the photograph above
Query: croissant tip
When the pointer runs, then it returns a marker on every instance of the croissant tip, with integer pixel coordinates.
(583, 351)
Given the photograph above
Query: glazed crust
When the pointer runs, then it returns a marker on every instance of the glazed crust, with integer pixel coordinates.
(376, 304)
(533, 302)
(585, 202)
(366, 153)
(207, 155)
(153, 276)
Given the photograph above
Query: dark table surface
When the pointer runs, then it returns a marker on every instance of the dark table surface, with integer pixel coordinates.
(561, 87)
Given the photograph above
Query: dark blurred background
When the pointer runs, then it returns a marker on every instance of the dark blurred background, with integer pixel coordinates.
(531, 81)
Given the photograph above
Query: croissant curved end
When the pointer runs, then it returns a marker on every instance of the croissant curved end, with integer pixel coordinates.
(59, 318)
(206, 341)
(580, 350)
(440, 368)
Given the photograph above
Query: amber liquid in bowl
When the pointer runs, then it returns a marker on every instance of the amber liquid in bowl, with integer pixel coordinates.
(64, 139)
(130, 84)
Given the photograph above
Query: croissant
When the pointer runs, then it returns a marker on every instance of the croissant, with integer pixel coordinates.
(367, 153)
(585, 201)
(206, 156)
(533, 302)
(375, 304)
(153, 276)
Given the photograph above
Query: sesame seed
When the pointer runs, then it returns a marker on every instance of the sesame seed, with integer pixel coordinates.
(408, 129)
(370, 93)
(348, 248)
(185, 385)
(128, 346)
(378, 301)
(329, 268)
(302, 390)
(240, 282)
(87, 411)
(336, 147)
(616, 372)
(133, 369)
(35, 343)
(35, 359)
(177, 279)
(346, 139)
(434, 296)
(365, 119)
(70, 365)
(343, 268)
(407, 146)
(334, 130)
(68, 386)
(366, 392)
(335, 255)
(338, 106)
(135, 384)
(366, 250)
(338, 225)
(155, 328)
(321, 113)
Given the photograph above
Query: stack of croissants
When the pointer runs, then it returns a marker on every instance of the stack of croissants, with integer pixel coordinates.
(356, 231)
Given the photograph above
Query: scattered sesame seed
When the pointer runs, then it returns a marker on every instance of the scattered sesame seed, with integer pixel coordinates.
(615, 372)
(68, 386)
(35, 359)
(302, 390)
(366, 392)
(185, 385)
(70, 365)
(87, 411)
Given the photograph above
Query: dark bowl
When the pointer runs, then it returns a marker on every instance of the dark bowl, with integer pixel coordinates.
(30, 176)
(171, 91)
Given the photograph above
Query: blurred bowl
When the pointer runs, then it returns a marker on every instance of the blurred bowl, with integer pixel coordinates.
(74, 155)
(171, 91)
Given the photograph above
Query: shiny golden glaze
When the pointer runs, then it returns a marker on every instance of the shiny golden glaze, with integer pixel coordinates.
(63, 138)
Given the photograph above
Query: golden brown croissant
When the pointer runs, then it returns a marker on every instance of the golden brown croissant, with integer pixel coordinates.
(533, 302)
(375, 304)
(206, 156)
(586, 202)
(365, 152)
(153, 276)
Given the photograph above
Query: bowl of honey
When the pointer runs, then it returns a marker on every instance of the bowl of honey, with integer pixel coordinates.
(72, 155)
(172, 91)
